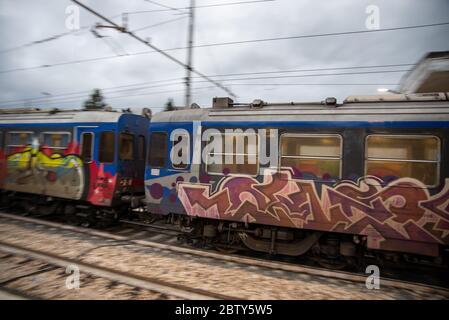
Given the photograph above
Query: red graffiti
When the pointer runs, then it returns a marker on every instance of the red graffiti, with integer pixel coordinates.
(101, 185)
(402, 209)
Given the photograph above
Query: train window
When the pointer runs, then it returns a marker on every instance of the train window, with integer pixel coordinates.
(16, 139)
(107, 146)
(126, 146)
(158, 150)
(55, 140)
(87, 139)
(390, 157)
(182, 157)
(312, 156)
(238, 156)
(141, 148)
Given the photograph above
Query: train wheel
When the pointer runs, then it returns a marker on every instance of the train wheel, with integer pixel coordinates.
(335, 264)
(70, 215)
(226, 250)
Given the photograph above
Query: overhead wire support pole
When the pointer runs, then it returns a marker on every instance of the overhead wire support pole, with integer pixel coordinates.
(190, 54)
(124, 30)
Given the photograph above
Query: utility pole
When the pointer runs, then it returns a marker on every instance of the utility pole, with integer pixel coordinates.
(190, 54)
(145, 42)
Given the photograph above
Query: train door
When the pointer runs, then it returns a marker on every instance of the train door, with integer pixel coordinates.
(87, 138)
(86, 143)
(158, 153)
(98, 153)
(106, 175)
(128, 161)
(169, 163)
(170, 152)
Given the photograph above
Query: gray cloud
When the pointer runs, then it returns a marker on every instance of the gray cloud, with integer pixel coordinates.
(24, 21)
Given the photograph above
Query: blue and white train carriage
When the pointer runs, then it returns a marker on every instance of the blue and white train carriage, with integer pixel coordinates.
(71, 158)
(370, 173)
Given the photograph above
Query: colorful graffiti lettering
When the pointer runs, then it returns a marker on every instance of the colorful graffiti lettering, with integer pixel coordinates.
(38, 170)
(41, 170)
(400, 210)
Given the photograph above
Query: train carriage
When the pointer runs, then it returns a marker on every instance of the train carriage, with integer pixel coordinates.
(89, 158)
(371, 173)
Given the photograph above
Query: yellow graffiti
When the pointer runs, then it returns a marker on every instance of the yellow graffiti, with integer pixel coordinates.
(35, 171)
(32, 158)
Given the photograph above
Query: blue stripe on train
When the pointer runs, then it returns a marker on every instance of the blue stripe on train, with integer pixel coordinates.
(57, 124)
(399, 124)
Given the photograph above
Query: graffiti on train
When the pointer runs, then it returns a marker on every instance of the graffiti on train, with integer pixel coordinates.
(402, 209)
(44, 170)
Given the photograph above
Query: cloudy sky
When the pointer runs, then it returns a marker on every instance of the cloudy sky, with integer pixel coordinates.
(61, 72)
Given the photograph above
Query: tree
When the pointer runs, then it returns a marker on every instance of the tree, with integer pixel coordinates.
(169, 105)
(95, 102)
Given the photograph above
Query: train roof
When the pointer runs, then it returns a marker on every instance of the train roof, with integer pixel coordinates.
(391, 107)
(32, 115)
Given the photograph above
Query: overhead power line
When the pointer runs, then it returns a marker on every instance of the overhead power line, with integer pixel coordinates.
(172, 81)
(51, 38)
(167, 7)
(314, 84)
(74, 98)
(47, 39)
(196, 7)
(83, 28)
(80, 100)
(314, 69)
(312, 75)
(116, 47)
(158, 24)
(219, 85)
(329, 34)
(85, 93)
(225, 44)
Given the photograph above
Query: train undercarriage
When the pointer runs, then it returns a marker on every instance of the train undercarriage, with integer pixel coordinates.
(329, 250)
(70, 211)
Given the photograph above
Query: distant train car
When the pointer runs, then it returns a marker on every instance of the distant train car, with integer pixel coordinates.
(369, 175)
(90, 158)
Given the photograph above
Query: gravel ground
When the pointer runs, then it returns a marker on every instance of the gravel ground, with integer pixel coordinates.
(37, 279)
(227, 278)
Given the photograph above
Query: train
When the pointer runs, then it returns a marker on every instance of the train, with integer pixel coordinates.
(335, 182)
(74, 162)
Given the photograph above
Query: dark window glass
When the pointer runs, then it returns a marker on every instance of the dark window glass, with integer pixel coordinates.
(107, 146)
(141, 150)
(417, 157)
(56, 140)
(239, 154)
(19, 139)
(158, 150)
(86, 146)
(314, 156)
(126, 146)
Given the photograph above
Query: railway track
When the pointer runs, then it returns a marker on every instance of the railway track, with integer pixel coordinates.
(168, 234)
(129, 237)
(49, 262)
(8, 294)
